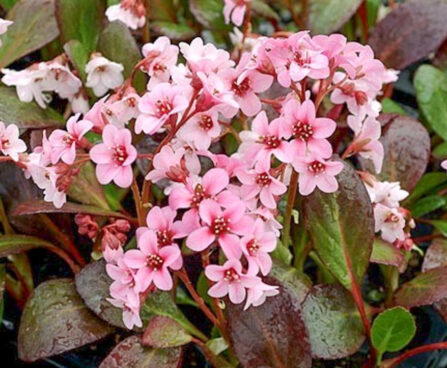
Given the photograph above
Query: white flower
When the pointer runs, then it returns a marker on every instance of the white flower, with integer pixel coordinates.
(46, 179)
(10, 143)
(79, 103)
(103, 74)
(387, 193)
(390, 222)
(128, 16)
(61, 80)
(4, 24)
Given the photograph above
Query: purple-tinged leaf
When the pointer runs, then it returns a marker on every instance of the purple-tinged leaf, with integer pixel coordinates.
(407, 150)
(333, 321)
(56, 320)
(341, 227)
(15, 244)
(272, 335)
(130, 353)
(410, 32)
(164, 332)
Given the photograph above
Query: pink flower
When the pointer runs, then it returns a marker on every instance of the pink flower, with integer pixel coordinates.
(256, 247)
(10, 143)
(114, 157)
(229, 280)
(236, 10)
(307, 131)
(263, 140)
(131, 309)
(259, 181)
(161, 57)
(161, 220)
(245, 84)
(96, 115)
(390, 222)
(169, 163)
(123, 279)
(153, 263)
(4, 24)
(132, 14)
(257, 294)
(121, 111)
(317, 172)
(221, 225)
(384, 192)
(158, 106)
(63, 143)
(201, 129)
(366, 140)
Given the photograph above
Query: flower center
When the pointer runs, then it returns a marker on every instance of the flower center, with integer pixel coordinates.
(5, 143)
(302, 131)
(263, 179)
(270, 141)
(164, 237)
(68, 139)
(240, 89)
(159, 67)
(205, 122)
(155, 262)
(253, 247)
(131, 102)
(316, 167)
(220, 225)
(392, 217)
(198, 196)
(300, 58)
(163, 107)
(119, 154)
(231, 275)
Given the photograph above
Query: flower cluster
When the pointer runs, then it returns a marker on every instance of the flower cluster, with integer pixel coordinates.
(224, 207)
(131, 12)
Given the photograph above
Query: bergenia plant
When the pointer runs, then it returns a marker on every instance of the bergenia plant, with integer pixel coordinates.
(246, 199)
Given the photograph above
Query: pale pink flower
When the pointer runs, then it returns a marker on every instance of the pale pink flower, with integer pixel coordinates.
(123, 279)
(47, 178)
(308, 132)
(263, 141)
(216, 92)
(103, 74)
(245, 84)
(161, 57)
(229, 280)
(131, 309)
(384, 192)
(164, 102)
(258, 293)
(161, 220)
(222, 226)
(114, 157)
(63, 143)
(80, 103)
(444, 164)
(256, 247)
(153, 263)
(259, 181)
(235, 10)
(4, 24)
(332, 46)
(201, 129)
(96, 115)
(10, 143)
(169, 164)
(131, 13)
(366, 141)
(390, 222)
(316, 172)
(121, 111)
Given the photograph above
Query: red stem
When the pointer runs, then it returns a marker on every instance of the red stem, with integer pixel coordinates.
(410, 353)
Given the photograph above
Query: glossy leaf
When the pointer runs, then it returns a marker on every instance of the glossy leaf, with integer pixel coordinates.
(333, 321)
(272, 335)
(427, 183)
(209, 13)
(341, 227)
(34, 26)
(392, 330)
(425, 289)
(430, 84)
(25, 114)
(40, 206)
(327, 16)
(92, 284)
(80, 20)
(298, 285)
(394, 39)
(392, 107)
(175, 31)
(164, 332)
(387, 254)
(440, 225)
(56, 320)
(407, 151)
(78, 55)
(427, 204)
(130, 353)
(440, 151)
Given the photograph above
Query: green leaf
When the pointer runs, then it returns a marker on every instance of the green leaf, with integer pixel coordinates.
(333, 321)
(161, 304)
(7, 4)
(427, 205)
(425, 289)
(440, 151)
(341, 227)
(392, 330)
(15, 244)
(209, 13)
(130, 353)
(26, 114)
(282, 253)
(372, 9)
(93, 284)
(78, 56)
(217, 345)
(392, 107)
(430, 84)
(55, 320)
(441, 225)
(34, 26)
(175, 31)
(327, 16)
(164, 332)
(428, 182)
(387, 254)
(80, 20)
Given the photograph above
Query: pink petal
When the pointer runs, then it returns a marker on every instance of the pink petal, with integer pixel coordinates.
(215, 180)
(163, 279)
(219, 290)
(200, 239)
(209, 210)
(236, 292)
(106, 172)
(135, 258)
(214, 272)
(230, 245)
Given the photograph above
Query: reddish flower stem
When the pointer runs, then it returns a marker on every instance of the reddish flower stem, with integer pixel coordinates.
(391, 363)
(138, 202)
(289, 208)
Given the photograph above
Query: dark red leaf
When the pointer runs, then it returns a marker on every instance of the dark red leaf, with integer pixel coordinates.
(407, 150)
(410, 32)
